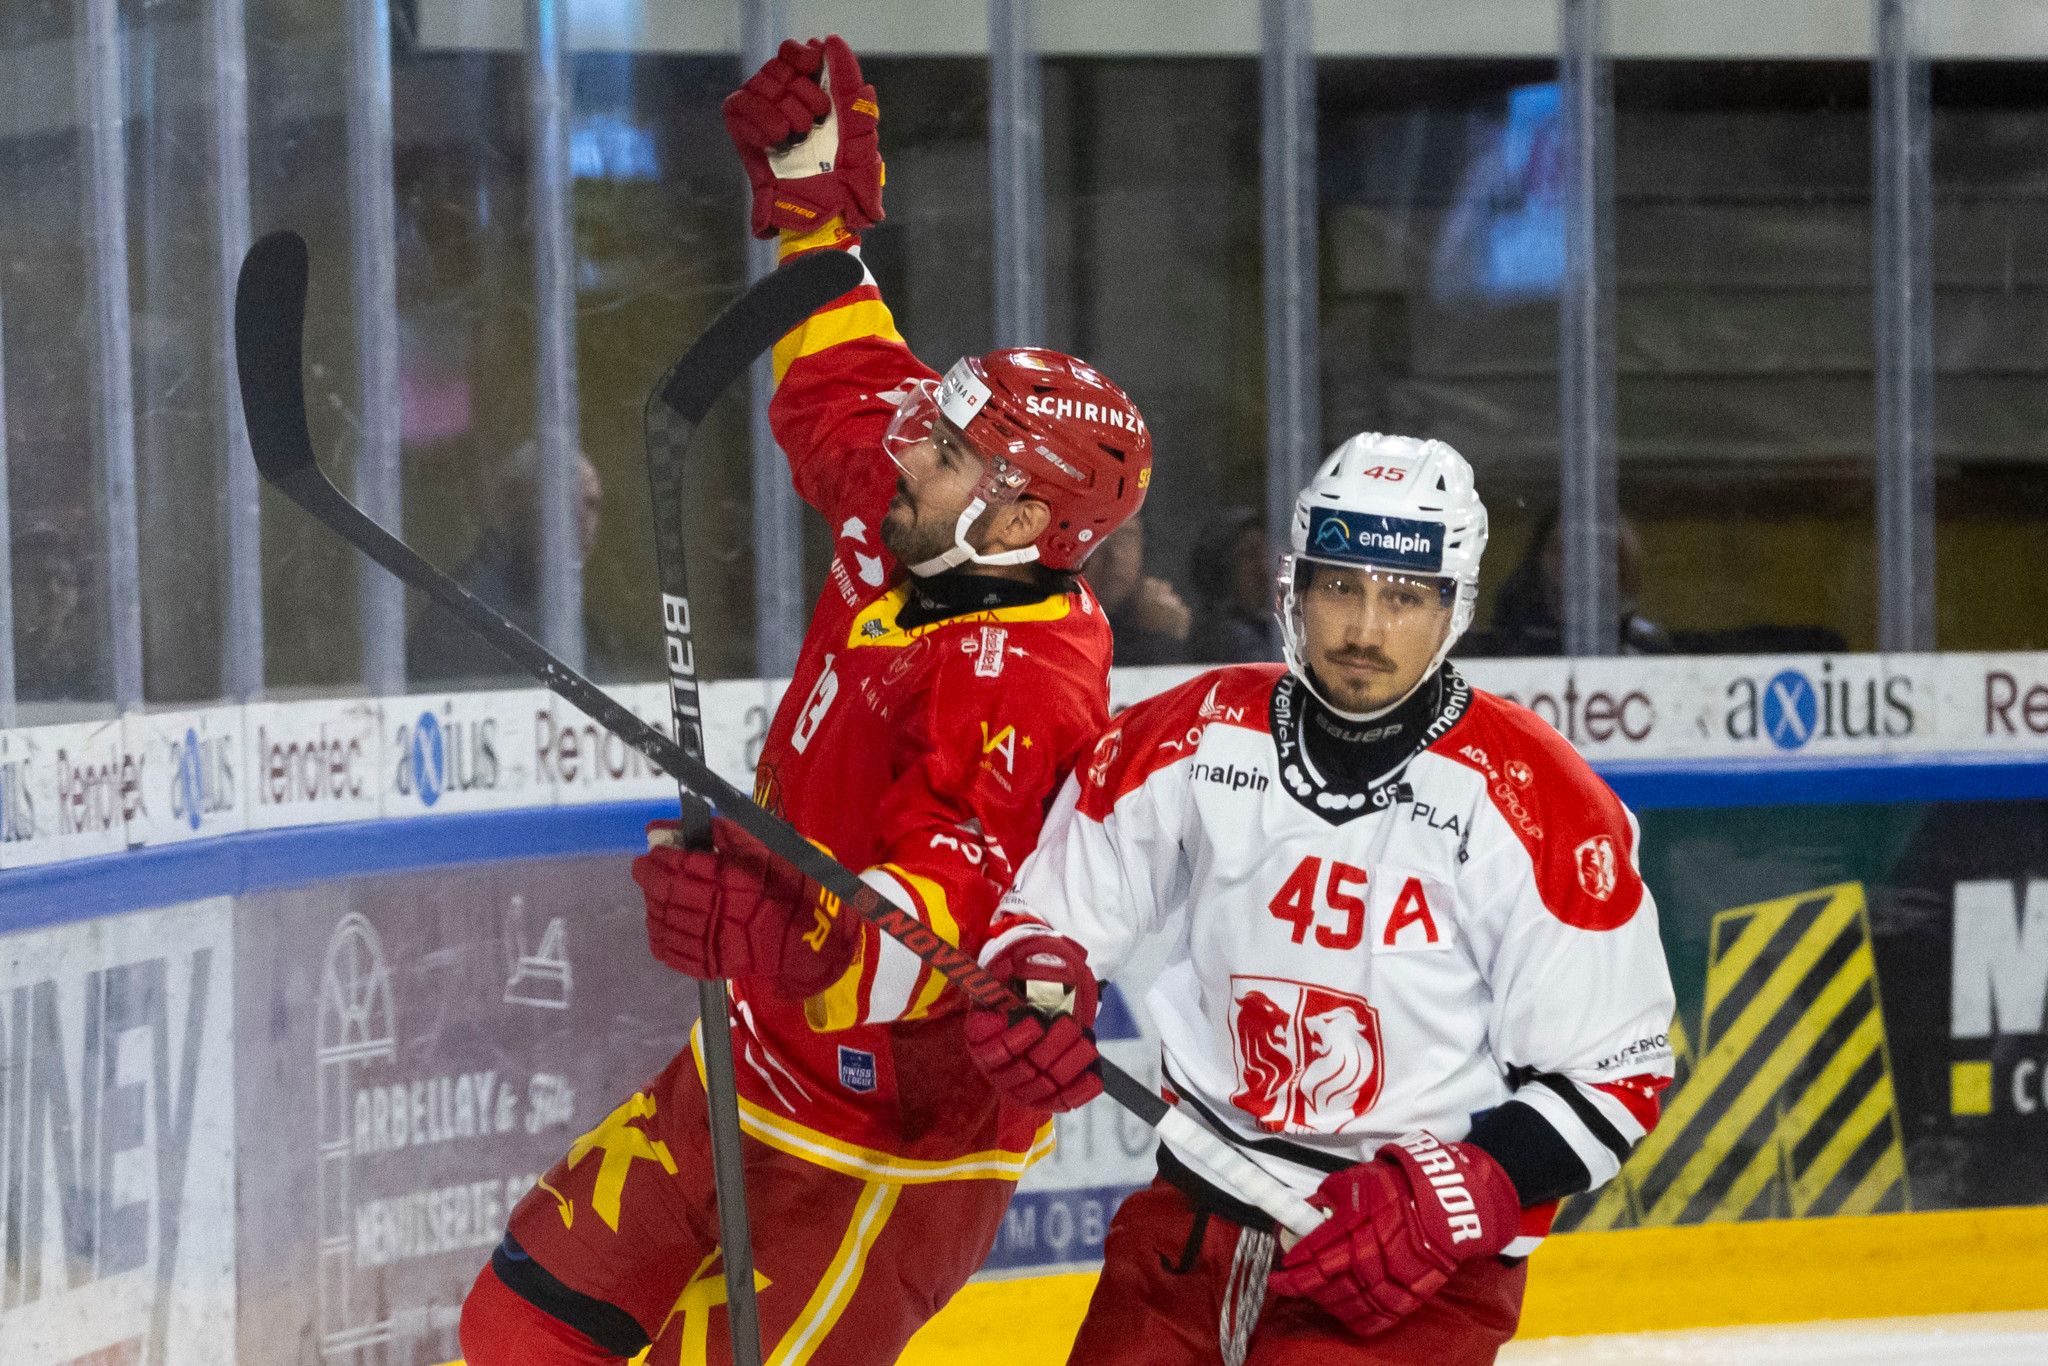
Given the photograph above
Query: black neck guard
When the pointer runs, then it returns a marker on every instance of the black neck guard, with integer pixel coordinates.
(955, 594)
(1338, 768)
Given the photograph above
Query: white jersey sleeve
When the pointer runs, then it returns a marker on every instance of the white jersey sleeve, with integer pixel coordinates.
(1581, 994)
(1109, 868)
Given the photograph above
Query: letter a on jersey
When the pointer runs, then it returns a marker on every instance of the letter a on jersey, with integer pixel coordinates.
(1411, 913)
(1308, 1058)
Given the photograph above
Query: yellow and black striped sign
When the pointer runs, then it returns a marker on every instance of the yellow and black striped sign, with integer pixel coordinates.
(1786, 1106)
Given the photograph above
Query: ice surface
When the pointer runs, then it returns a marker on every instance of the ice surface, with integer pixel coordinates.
(1949, 1339)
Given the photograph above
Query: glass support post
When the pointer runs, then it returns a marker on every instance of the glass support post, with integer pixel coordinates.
(778, 518)
(1902, 281)
(1016, 157)
(7, 688)
(549, 97)
(373, 245)
(1287, 108)
(103, 97)
(242, 643)
(1588, 515)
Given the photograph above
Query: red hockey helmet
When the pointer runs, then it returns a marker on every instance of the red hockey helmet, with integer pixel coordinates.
(1050, 428)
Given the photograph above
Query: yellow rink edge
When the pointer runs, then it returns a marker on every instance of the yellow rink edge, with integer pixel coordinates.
(1636, 1280)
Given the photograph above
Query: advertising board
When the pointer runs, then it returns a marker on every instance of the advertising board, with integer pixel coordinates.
(117, 1139)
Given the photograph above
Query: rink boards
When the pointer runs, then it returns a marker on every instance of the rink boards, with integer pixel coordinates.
(296, 998)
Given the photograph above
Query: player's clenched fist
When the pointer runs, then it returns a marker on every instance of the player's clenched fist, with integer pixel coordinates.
(735, 910)
(1399, 1226)
(1042, 1055)
(804, 125)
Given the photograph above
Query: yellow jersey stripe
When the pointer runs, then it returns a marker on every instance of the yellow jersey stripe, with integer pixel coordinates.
(927, 995)
(835, 1289)
(937, 913)
(861, 320)
(828, 234)
(889, 990)
(787, 1135)
(849, 1159)
(939, 916)
(838, 1006)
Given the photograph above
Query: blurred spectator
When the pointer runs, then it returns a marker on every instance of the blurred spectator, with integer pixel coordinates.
(1528, 612)
(503, 570)
(1150, 620)
(56, 634)
(1232, 571)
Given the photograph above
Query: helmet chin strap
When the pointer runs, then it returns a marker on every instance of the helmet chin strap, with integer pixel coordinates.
(963, 553)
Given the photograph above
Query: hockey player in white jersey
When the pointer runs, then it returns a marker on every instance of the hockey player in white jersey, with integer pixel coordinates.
(1415, 975)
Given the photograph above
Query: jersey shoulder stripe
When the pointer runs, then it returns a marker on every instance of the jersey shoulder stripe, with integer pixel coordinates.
(1579, 837)
(1162, 730)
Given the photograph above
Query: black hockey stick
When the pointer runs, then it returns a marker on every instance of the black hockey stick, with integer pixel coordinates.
(776, 304)
(270, 305)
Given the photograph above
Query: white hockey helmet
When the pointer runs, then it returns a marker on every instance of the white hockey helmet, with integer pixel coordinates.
(1398, 504)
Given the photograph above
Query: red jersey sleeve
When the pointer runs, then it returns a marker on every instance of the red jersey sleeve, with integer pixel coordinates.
(983, 761)
(838, 379)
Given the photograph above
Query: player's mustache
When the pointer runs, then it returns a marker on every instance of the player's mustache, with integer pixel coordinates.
(1368, 658)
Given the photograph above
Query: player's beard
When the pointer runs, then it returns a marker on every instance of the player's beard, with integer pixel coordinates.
(914, 535)
(1378, 682)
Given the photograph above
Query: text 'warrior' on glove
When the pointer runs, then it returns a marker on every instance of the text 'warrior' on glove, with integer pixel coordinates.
(735, 910)
(804, 125)
(1400, 1225)
(1041, 1055)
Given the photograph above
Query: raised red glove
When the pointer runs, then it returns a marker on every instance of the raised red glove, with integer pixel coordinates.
(1041, 1055)
(1399, 1226)
(735, 910)
(813, 91)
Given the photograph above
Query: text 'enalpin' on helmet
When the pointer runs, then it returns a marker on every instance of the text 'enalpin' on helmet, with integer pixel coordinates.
(1399, 503)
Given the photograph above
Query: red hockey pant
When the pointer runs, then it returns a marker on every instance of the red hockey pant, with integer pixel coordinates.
(1147, 1312)
(846, 1269)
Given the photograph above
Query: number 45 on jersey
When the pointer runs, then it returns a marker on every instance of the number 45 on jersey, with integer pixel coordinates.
(1329, 899)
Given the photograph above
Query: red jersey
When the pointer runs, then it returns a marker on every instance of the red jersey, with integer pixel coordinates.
(925, 755)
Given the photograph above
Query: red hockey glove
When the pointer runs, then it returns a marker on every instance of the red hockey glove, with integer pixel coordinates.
(735, 910)
(1399, 1226)
(810, 95)
(1042, 1055)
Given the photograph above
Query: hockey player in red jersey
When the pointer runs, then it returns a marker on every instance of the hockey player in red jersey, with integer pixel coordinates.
(954, 670)
(1417, 976)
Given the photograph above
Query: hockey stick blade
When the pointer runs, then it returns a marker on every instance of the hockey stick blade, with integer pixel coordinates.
(270, 303)
(270, 328)
(775, 305)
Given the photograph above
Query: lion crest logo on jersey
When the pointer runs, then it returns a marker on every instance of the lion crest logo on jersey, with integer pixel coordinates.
(1598, 863)
(1308, 1058)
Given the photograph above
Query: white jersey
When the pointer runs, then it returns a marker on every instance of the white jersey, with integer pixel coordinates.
(1469, 929)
